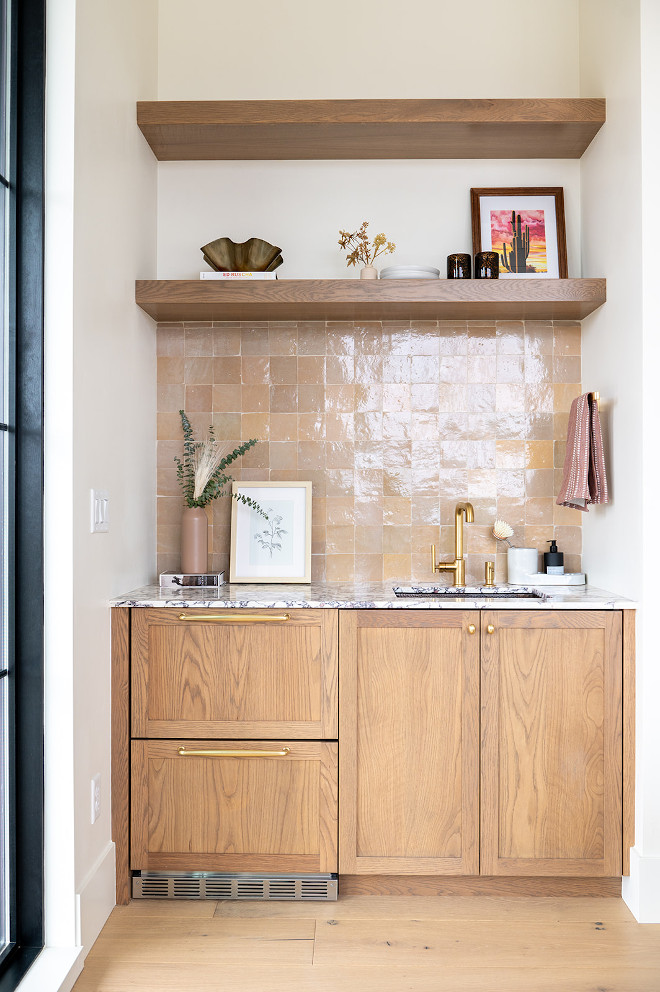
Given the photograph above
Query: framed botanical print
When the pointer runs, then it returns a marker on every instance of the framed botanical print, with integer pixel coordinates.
(525, 226)
(276, 549)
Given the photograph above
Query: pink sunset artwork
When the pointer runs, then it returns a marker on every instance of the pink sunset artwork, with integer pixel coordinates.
(502, 233)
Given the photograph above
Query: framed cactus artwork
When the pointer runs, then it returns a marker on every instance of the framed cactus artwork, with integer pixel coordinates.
(525, 226)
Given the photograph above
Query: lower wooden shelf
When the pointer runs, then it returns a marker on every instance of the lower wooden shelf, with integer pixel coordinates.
(355, 299)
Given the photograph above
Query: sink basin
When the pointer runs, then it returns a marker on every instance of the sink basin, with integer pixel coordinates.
(468, 592)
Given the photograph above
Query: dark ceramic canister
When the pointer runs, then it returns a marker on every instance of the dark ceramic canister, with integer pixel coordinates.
(459, 266)
(486, 265)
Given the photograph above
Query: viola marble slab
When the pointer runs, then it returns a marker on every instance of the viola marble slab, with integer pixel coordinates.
(368, 596)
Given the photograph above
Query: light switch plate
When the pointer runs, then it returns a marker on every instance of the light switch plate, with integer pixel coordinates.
(100, 517)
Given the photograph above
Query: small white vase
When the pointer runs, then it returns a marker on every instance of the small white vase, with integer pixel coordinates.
(369, 272)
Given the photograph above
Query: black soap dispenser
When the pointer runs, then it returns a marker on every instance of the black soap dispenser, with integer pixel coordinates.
(553, 560)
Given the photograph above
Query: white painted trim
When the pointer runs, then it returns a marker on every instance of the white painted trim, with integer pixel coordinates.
(95, 899)
(55, 970)
(641, 889)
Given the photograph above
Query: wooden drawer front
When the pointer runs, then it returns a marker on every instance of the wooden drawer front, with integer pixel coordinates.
(234, 673)
(551, 731)
(214, 813)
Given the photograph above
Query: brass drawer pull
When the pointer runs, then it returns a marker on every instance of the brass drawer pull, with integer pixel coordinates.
(233, 754)
(229, 618)
(472, 629)
(490, 628)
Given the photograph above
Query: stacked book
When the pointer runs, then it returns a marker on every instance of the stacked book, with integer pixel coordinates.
(237, 276)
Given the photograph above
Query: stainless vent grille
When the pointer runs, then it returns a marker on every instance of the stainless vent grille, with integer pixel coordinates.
(218, 885)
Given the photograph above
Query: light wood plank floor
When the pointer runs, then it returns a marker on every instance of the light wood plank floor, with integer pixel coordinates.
(376, 944)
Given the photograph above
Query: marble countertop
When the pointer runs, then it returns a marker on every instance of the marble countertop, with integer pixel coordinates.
(369, 596)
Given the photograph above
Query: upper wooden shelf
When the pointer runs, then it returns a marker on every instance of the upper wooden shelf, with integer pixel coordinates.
(382, 299)
(369, 129)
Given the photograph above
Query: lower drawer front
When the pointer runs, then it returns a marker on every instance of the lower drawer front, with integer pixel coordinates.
(267, 806)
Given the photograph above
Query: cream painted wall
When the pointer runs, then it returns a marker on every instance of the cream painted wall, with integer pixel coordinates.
(114, 365)
(298, 49)
(423, 206)
(100, 428)
(621, 356)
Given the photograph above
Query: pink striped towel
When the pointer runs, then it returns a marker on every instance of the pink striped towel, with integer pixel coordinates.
(584, 465)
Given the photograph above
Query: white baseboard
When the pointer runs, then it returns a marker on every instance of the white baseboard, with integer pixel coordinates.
(95, 899)
(641, 889)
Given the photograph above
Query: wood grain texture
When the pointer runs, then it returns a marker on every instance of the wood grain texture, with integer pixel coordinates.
(369, 129)
(493, 944)
(377, 944)
(516, 908)
(235, 680)
(483, 885)
(120, 618)
(466, 976)
(551, 744)
(364, 299)
(409, 743)
(234, 814)
(628, 619)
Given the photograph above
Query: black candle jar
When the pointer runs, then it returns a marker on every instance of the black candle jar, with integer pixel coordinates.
(459, 266)
(486, 265)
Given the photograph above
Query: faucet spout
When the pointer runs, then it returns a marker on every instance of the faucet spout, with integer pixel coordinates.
(457, 566)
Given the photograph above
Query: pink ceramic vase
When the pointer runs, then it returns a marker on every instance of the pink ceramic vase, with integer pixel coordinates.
(194, 541)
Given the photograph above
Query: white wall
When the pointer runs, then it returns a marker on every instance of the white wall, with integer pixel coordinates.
(423, 206)
(297, 49)
(100, 426)
(620, 357)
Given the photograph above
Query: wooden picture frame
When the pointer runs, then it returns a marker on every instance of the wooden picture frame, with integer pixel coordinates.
(278, 549)
(539, 245)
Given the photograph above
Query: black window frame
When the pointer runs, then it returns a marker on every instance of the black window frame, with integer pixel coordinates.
(25, 439)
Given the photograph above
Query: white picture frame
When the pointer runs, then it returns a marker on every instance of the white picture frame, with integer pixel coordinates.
(278, 549)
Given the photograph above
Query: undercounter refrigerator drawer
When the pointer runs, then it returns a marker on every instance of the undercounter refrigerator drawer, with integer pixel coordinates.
(234, 806)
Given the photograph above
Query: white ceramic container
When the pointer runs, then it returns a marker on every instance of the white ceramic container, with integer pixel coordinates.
(522, 562)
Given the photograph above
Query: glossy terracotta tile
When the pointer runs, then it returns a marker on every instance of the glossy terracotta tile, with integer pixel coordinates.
(567, 339)
(198, 398)
(283, 369)
(226, 398)
(226, 339)
(539, 454)
(198, 341)
(283, 339)
(170, 342)
(392, 422)
(311, 369)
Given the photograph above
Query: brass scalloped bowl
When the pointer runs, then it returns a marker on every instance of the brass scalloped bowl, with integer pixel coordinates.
(254, 255)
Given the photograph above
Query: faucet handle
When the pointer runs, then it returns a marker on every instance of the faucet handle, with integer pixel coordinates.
(433, 559)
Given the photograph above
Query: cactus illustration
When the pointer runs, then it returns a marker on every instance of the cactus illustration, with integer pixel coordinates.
(516, 259)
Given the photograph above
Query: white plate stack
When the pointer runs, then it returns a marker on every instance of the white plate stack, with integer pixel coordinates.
(410, 272)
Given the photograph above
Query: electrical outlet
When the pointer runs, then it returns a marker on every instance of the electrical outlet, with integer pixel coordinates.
(100, 513)
(96, 797)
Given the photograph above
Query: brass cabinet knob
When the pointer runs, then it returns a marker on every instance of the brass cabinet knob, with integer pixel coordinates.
(472, 629)
(490, 628)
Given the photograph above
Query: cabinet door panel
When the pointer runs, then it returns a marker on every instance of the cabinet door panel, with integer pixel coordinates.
(409, 743)
(234, 673)
(215, 813)
(551, 730)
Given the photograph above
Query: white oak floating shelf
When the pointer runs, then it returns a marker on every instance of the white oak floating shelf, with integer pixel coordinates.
(180, 130)
(356, 299)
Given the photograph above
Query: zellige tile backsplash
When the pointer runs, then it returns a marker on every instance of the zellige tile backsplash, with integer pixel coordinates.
(393, 422)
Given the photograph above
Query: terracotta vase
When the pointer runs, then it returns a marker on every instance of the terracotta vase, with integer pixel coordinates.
(194, 541)
(369, 272)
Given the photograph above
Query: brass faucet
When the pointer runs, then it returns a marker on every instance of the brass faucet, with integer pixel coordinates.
(458, 565)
